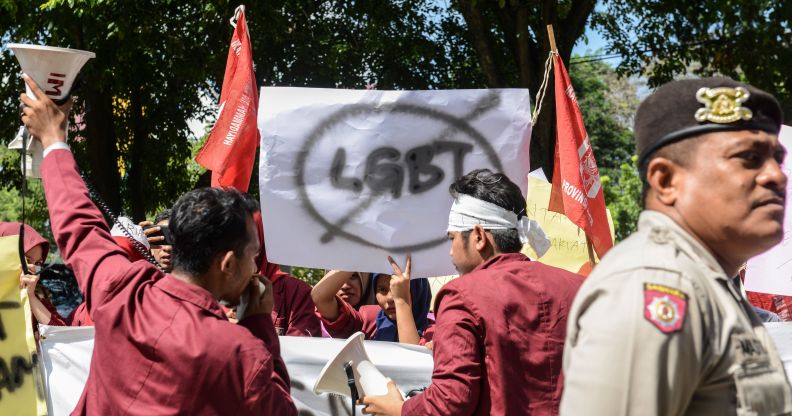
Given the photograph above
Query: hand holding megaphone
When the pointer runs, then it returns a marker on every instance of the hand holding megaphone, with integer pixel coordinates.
(43, 118)
(389, 404)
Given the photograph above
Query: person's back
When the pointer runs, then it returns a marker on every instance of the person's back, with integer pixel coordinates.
(521, 308)
(174, 351)
(500, 327)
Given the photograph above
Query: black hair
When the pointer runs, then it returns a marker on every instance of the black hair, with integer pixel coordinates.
(252, 202)
(498, 189)
(206, 222)
(162, 216)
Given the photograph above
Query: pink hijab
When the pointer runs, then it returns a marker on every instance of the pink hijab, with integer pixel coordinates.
(32, 238)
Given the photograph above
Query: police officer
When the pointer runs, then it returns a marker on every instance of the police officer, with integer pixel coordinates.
(659, 328)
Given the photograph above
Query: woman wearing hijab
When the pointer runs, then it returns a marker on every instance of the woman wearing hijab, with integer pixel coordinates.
(399, 316)
(36, 249)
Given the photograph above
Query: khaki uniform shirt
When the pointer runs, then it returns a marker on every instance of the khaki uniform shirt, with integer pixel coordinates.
(659, 329)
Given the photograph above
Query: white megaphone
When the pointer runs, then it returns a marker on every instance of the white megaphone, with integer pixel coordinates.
(54, 70)
(368, 379)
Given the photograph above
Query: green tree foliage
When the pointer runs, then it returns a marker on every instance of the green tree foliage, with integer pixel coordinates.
(623, 196)
(157, 60)
(36, 214)
(153, 64)
(509, 39)
(308, 275)
(607, 103)
(747, 40)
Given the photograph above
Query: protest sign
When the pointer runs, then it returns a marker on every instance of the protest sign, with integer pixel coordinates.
(348, 177)
(568, 248)
(66, 353)
(781, 333)
(771, 271)
(21, 390)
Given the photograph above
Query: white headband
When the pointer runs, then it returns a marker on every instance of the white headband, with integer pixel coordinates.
(467, 212)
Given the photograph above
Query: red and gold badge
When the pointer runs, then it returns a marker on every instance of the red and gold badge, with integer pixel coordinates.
(664, 307)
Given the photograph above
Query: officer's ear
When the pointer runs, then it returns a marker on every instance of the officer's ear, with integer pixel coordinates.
(663, 177)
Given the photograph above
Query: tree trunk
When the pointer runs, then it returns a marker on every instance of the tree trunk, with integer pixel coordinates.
(101, 149)
(529, 54)
(136, 181)
(482, 42)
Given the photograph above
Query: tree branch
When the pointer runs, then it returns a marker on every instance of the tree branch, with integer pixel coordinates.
(523, 41)
(573, 26)
(481, 43)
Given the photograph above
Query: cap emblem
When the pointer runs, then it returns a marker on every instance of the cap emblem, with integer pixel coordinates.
(723, 105)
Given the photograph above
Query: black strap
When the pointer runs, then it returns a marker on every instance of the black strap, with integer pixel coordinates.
(352, 386)
(22, 259)
(102, 205)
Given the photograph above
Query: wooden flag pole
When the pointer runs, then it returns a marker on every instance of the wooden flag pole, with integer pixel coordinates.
(590, 247)
(551, 37)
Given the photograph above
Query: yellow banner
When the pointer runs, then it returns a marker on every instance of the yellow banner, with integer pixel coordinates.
(568, 249)
(21, 387)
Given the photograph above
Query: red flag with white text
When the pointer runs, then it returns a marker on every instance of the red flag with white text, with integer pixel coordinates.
(230, 149)
(577, 191)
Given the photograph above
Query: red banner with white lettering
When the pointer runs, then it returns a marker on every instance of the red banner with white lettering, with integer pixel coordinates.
(577, 190)
(230, 149)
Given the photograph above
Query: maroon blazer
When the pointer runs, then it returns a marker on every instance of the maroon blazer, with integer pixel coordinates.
(499, 340)
(293, 312)
(162, 346)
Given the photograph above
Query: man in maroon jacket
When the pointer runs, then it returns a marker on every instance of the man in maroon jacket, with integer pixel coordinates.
(163, 344)
(293, 311)
(499, 335)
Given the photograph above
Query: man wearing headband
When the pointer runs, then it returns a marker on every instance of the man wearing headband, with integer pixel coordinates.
(659, 328)
(500, 326)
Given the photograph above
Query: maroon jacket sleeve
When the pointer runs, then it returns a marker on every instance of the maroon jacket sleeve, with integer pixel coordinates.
(80, 231)
(55, 318)
(458, 363)
(348, 322)
(269, 389)
(302, 319)
(428, 334)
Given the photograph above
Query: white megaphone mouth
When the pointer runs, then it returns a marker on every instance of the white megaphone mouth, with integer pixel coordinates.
(368, 379)
(54, 70)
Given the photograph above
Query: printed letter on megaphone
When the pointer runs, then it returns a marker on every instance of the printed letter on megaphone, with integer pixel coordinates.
(54, 70)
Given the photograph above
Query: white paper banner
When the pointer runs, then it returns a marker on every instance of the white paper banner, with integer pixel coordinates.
(66, 353)
(771, 272)
(348, 177)
(781, 333)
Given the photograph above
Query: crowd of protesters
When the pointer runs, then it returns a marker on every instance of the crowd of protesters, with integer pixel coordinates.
(660, 327)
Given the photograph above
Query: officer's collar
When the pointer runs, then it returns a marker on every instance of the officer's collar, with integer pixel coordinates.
(660, 224)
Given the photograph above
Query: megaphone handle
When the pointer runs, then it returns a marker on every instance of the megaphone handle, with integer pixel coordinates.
(352, 386)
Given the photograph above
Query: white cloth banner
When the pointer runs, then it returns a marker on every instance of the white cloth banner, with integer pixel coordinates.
(771, 271)
(348, 177)
(66, 353)
(781, 332)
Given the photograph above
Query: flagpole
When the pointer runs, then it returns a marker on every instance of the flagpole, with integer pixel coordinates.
(590, 251)
(551, 37)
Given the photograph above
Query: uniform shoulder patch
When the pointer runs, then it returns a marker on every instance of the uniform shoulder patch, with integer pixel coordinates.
(664, 307)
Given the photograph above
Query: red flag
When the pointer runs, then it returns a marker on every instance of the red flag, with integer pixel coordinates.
(230, 149)
(577, 191)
